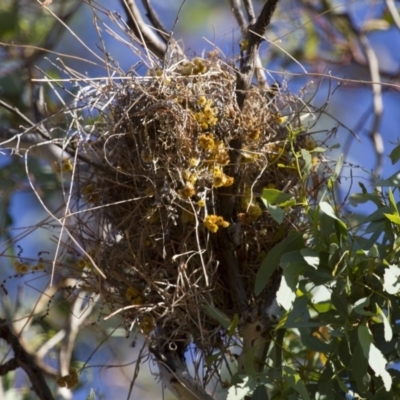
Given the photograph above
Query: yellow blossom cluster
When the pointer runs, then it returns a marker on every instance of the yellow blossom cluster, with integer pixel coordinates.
(146, 324)
(250, 207)
(63, 165)
(217, 156)
(133, 296)
(212, 222)
(194, 67)
(91, 194)
(208, 116)
(188, 191)
(23, 268)
(220, 179)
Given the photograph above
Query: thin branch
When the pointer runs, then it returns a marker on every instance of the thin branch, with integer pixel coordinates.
(147, 37)
(374, 134)
(238, 13)
(26, 362)
(255, 37)
(152, 15)
(10, 365)
(393, 12)
(248, 5)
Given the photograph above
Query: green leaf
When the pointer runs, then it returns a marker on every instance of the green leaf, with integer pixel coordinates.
(387, 328)
(338, 168)
(293, 265)
(307, 161)
(232, 327)
(376, 360)
(360, 305)
(217, 315)
(295, 382)
(327, 209)
(260, 393)
(392, 202)
(393, 180)
(359, 366)
(393, 218)
(395, 155)
(272, 261)
(275, 197)
(276, 212)
(340, 303)
(311, 257)
(312, 342)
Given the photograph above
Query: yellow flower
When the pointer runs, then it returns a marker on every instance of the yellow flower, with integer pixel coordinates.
(40, 266)
(63, 165)
(229, 180)
(188, 191)
(254, 134)
(219, 181)
(210, 223)
(202, 101)
(133, 296)
(194, 162)
(213, 222)
(206, 141)
(146, 324)
(21, 268)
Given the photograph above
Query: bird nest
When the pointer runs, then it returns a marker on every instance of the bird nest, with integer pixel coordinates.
(162, 161)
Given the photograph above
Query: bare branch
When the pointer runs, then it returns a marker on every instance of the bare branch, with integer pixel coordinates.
(248, 5)
(155, 20)
(8, 366)
(374, 135)
(393, 12)
(147, 37)
(255, 37)
(26, 362)
(238, 13)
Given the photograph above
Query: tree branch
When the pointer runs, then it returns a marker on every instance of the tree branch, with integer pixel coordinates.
(26, 362)
(255, 36)
(146, 36)
(155, 21)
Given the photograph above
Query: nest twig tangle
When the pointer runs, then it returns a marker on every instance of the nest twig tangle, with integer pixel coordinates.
(168, 204)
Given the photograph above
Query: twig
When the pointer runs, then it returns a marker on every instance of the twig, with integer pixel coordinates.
(24, 360)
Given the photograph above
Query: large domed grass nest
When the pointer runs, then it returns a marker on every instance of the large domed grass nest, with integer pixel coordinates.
(165, 164)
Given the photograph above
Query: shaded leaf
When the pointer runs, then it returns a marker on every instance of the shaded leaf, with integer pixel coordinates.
(395, 155)
(272, 260)
(359, 367)
(217, 315)
(295, 382)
